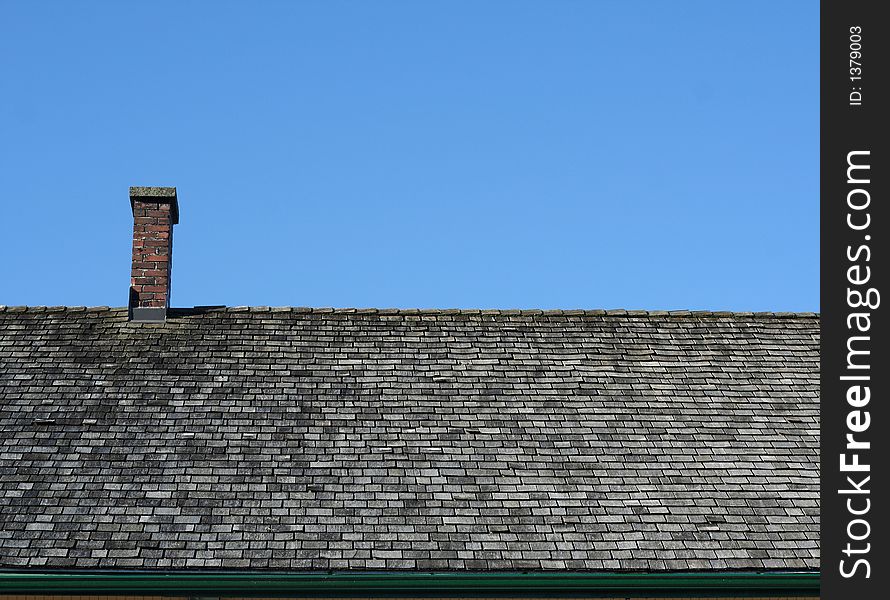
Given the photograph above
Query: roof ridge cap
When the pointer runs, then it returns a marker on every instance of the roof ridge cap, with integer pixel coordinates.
(612, 312)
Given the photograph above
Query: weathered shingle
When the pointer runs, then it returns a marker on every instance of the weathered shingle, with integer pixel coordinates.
(371, 439)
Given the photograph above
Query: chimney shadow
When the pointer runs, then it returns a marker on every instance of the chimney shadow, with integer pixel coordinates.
(195, 310)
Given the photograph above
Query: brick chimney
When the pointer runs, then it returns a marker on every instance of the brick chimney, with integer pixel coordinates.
(155, 212)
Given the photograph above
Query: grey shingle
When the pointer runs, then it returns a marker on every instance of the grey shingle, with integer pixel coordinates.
(408, 439)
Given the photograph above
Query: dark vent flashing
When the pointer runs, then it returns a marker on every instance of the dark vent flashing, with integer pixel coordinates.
(155, 212)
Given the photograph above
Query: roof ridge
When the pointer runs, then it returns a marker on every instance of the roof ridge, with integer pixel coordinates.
(616, 312)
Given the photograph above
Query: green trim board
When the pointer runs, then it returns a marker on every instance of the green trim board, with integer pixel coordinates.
(411, 583)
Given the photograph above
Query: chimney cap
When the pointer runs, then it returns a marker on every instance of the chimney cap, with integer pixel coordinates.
(156, 194)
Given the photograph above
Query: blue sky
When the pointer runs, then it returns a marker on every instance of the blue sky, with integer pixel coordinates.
(657, 155)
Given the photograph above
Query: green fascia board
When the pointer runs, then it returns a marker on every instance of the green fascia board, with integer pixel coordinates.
(411, 583)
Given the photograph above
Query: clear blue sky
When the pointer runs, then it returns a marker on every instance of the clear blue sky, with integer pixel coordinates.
(658, 155)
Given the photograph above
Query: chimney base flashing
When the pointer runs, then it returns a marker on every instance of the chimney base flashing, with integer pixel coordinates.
(148, 315)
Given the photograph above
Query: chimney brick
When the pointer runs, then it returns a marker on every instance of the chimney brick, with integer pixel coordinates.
(155, 212)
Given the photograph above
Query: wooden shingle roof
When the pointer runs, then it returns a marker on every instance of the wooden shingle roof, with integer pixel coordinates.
(409, 439)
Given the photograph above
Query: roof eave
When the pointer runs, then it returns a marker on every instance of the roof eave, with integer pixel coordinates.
(565, 584)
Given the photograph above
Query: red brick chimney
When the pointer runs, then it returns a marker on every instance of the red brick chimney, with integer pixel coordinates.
(155, 212)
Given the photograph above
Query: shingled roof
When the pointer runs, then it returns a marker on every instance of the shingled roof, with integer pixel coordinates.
(408, 439)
